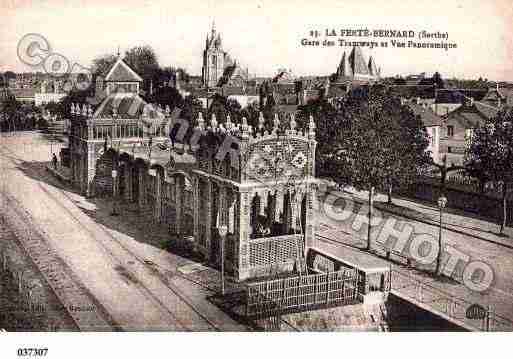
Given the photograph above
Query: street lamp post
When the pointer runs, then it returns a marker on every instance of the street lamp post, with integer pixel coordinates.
(114, 192)
(442, 202)
(223, 230)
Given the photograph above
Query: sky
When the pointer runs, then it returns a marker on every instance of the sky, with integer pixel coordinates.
(266, 35)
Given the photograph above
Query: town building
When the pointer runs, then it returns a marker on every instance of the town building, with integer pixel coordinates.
(242, 94)
(50, 91)
(259, 183)
(457, 129)
(432, 123)
(25, 95)
(495, 97)
(448, 100)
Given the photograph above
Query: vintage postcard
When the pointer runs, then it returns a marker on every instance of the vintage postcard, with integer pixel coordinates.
(251, 166)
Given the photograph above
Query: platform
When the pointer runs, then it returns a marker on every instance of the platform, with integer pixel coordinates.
(350, 257)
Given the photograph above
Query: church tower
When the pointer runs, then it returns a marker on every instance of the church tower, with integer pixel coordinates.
(213, 59)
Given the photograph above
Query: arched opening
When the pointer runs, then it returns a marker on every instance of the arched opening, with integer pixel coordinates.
(103, 181)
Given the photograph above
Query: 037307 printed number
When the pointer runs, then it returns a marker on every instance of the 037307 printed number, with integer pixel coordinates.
(32, 352)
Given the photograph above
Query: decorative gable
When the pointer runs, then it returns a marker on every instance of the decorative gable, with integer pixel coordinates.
(121, 72)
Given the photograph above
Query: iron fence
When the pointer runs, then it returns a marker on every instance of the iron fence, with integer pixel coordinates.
(302, 293)
(447, 304)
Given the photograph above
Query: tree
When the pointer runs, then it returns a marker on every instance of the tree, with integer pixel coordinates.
(143, 60)
(326, 118)
(408, 154)
(234, 109)
(251, 113)
(8, 75)
(11, 110)
(370, 142)
(490, 153)
(218, 107)
(444, 170)
(102, 64)
(191, 107)
(437, 80)
(167, 96)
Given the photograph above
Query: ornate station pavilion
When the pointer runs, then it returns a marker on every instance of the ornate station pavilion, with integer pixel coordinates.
(255, 184)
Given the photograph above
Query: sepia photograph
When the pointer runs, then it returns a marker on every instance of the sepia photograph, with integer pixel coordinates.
(243, 167)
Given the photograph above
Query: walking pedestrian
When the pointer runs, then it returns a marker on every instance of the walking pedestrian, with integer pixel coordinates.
(54, 161)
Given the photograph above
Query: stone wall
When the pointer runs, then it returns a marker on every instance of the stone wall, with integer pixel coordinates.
(481, 204)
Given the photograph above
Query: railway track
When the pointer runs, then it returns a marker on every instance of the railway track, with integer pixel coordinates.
(144, 290)
(56, 274)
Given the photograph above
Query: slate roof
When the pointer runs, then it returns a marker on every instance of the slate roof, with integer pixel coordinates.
(428, 117)
(336, 91)
(239, 91)
(357, 62)
(414, 91)
(458, 96)
(494, 96)
(287, 109)
(181, 161)
(127, 105)
(471, 116)
(121, 72)
(486, 110)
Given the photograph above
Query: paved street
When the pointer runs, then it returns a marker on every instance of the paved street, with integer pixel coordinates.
(471, 236)
(137, 284)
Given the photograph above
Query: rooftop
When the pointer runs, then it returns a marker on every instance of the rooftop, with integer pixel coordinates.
(121, 72)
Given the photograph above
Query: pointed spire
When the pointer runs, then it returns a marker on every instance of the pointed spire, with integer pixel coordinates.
(229, 124)
(357, 62)
(213, 121)
(90, 110)
(201, 121)
(72, 110)
(276, 122)
(373, 70)
(311, 128)
(245, 128)
(84, 110)
(261, 121)
(292, 122)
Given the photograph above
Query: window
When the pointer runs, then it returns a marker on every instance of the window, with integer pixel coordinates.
(433, 137)
(449, 149)
(450, 131)
(468, 134)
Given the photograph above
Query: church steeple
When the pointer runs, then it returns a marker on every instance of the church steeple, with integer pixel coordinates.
(213, 29)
